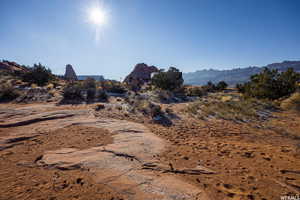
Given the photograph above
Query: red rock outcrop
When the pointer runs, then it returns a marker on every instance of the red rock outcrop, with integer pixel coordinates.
(70, 73)
(12, 67)
(141, 73)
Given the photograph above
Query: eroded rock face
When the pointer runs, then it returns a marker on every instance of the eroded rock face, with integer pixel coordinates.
(70, 73)
(35, 95)
(141, 74)
(12, 67)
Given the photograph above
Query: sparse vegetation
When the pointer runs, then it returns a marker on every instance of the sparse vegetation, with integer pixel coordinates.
(195, 91)
(271, 84)
(8, 92)
(147, 107)
(72, 92)
(101, 95)
(169, 80)
(38, 74)
(291, 103)
(89, 83)
(222, 85)
(231, 108)
(113, 86)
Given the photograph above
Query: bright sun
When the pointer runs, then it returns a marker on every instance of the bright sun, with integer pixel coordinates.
(97, 16)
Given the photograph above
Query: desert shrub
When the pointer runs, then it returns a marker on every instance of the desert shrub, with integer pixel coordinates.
(146, 107)
(271, 84)
(8, 93)
(113, 87)
(229, 108)
(89, 86)
(222, 85)
(291, 103)
(195, 92)
(35, 95)
(163, 96)
(101, 96)
(38, 74)
(89, 83)
(155, 110)
(168, 80)
(209, 87)
(240, 87)
(90, 94)
(73, 92)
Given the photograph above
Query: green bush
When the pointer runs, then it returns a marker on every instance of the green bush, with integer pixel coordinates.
(89, 83)
(90, 94)
(271, 84)
(291, 103)
(113, 86)
(240, 87)
(209, 87)
(147, 107)
(195, 92)
(73, 92)
(169, 80)
(222, 85)
(38, 74)
(102, 96)
(8, 93)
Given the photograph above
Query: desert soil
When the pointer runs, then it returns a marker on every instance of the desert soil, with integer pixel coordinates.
(71, 152)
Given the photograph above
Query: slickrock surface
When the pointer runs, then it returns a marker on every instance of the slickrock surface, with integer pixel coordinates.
(124, 166)
(73, 152)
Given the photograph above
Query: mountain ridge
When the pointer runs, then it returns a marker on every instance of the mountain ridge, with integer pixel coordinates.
(234, 76)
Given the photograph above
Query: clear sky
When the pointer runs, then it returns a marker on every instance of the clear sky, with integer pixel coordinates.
(188, 34)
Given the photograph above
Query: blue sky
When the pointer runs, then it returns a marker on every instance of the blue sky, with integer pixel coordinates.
(188, 34)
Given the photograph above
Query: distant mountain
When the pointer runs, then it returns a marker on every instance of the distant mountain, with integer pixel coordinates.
(96, 77)
(233, 76)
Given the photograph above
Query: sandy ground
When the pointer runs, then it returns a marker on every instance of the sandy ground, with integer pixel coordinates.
(251, 161)
(251, 164)
(21, 179)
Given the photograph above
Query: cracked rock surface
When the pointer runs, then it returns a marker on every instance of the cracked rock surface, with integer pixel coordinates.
(128, 164)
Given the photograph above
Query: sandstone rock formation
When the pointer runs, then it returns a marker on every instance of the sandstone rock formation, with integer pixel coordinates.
(141, 74)
(70, 73)
(129, 164)
(12, 67)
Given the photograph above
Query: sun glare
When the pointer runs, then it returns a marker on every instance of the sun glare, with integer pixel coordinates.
(97, 16)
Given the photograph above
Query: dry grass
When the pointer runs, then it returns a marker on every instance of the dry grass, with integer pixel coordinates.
(291, 103)
(230, 107)
(147, 107)
(8, 92)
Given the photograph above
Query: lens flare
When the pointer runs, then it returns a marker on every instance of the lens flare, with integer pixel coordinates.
(97, 16)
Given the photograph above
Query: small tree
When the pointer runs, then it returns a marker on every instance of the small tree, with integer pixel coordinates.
(38, 74)
(73, 92)
(8, 92)
(169, 80)
(222, 85)
(89, 83)
(271, 84)
(101, 95)
(90, 94)
(209, 87)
